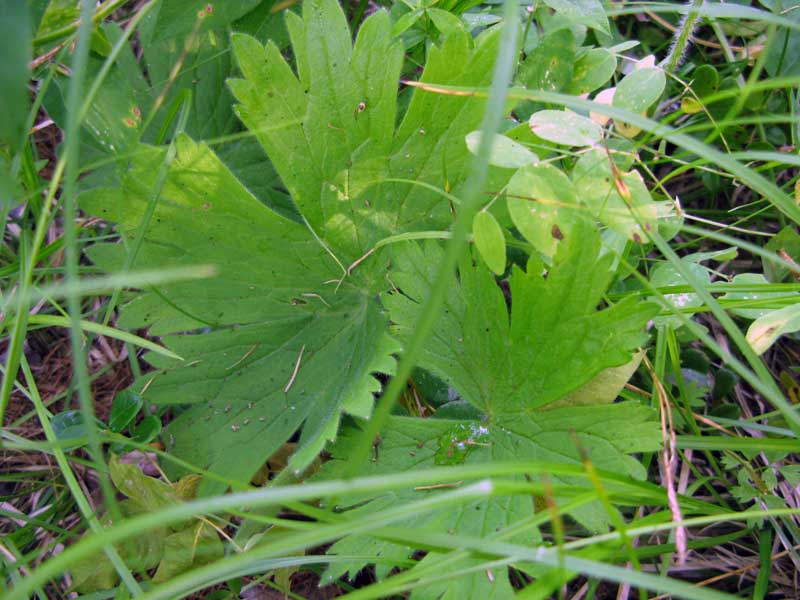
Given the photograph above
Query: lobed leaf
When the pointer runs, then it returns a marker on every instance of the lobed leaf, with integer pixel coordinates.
(269, 309)
(550, 344)
(286, 336)
(514, 366)
(330, 131)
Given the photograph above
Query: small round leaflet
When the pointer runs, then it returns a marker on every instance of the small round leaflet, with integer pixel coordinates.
(490, 241)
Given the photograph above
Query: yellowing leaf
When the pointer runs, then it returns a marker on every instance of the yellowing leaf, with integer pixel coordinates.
(604, 388)
(275, 328)
(192, 547)
(765, 331)
(148, 492)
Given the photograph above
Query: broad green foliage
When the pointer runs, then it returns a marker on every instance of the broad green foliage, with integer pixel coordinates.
(784, 59)
(330, 129)
(513, 367)
(174, 18)
(306, 309)
(506, 153)
(551, 65)
(293, 339)
(269, 309)
(640, 89)
(553, 341)
(607, 433)
(593, 68)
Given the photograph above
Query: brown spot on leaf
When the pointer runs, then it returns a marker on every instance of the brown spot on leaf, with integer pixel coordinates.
(637, 238)
(556, 233)
(207, 206)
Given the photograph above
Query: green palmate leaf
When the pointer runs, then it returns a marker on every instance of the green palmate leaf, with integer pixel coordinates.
(552, 342)
(174, 18)
(608, 433)
(114, 118)
(514, 367)
(490, 241)
(118, 113)
(330, 130)
(279, 331)
(294, 339)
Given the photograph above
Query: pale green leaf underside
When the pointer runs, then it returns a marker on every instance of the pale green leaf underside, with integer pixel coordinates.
(565, 127)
